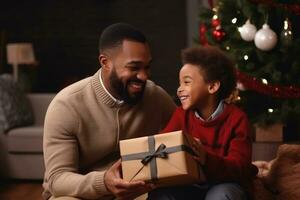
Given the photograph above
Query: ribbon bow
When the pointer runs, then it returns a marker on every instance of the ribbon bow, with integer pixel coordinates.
(160, 153)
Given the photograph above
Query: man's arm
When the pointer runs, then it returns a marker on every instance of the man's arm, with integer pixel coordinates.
(61, 156)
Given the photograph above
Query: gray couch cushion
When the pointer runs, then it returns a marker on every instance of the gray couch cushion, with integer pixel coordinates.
(26, 140)
(15, 109)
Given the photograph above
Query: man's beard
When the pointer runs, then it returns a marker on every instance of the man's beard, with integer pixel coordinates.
(122, 90)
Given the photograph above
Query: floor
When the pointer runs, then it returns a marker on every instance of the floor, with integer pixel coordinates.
(20, 190)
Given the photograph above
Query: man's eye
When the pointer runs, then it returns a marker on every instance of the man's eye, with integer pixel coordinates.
(134, 68)
(187, 82)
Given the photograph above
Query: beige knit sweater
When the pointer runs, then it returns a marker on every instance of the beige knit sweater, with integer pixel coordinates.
(82, 130)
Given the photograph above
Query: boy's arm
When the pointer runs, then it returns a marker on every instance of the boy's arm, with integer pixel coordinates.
(236, 165)
(175, 123)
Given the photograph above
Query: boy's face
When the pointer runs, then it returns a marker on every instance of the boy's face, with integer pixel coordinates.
(193, 90)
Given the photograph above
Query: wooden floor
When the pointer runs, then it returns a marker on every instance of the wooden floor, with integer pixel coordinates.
(20, 190)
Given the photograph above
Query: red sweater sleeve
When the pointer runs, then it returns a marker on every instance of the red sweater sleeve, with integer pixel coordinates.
(175, 122)
(236, 165)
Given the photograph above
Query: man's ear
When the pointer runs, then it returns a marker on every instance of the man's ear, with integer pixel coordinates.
(103, 61)
(214, 87)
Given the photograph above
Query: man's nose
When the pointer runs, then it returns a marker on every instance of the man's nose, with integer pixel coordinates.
(143, 75)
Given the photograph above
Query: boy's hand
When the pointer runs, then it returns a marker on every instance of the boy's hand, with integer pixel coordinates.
(123, 189)
(263, 168)
(199, 151)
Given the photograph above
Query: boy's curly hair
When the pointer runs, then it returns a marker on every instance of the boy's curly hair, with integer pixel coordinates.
(215, 65)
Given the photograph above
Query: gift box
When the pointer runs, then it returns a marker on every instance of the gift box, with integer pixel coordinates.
(164, 159)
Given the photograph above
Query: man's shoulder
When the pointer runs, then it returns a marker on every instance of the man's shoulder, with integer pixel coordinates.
(156, 96)
(74, 89)
(154, 89)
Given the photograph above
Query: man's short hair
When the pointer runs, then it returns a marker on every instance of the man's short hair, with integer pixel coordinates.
(113, 36)
(215, 65)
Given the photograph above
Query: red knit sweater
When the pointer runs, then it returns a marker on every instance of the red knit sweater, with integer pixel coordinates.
(226, 140)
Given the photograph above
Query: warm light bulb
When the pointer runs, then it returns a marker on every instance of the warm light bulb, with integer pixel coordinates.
(246, 57)
(234, 20)
(227, 48)
(264, 81)
(215, 17)
(285, 24)
(270, 110)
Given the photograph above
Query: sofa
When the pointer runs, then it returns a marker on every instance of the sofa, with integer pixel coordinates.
(21, 148)
(280, 178)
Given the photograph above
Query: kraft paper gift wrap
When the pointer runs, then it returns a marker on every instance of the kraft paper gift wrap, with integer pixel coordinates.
(165, 159)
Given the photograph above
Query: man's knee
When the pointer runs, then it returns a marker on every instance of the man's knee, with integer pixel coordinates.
(226, 191)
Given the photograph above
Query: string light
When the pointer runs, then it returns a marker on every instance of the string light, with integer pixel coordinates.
(264, 81)
(234, 20)
(227, 48)
(270, 110)
(286, 27)
(246, 57)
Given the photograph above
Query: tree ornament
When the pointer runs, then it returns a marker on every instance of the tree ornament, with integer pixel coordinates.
(202, 34)
(218, 33)
(265, 38)
(247, 31)
(240, 86)
(215, 22)
(286, 36)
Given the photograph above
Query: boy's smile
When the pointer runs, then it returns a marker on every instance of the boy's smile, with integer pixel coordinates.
(193, 89)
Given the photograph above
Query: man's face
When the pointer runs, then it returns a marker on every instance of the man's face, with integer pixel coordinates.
(129, 72)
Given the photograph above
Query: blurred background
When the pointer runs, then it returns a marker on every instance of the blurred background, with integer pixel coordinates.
(64, 35)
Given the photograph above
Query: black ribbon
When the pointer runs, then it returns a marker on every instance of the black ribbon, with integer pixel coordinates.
(160, 153)
(150, 157)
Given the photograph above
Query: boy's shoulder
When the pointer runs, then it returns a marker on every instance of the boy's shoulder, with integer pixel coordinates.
(235, 111)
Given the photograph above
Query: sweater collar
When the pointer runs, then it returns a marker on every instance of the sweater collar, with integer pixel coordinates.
(227, 110)
(216, 113)
(102, 94)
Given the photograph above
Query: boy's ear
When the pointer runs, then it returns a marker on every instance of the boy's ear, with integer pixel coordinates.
(214, 87)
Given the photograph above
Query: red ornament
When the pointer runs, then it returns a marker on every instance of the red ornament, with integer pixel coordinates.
(202, 34)
(215, 22)
(218, 34)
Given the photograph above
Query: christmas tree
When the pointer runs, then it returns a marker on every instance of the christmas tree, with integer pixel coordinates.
(262, 37)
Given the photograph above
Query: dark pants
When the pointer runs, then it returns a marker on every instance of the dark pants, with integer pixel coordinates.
(226, 191)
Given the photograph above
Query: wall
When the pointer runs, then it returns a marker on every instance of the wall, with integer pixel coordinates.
(65, 36)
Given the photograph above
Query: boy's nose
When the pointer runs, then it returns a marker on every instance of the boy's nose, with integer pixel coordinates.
(179, 90)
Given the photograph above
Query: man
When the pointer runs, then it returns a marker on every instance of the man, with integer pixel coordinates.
(86, 120)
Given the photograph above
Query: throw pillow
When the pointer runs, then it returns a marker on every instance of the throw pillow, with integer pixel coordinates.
(284, 175)
(15, 109)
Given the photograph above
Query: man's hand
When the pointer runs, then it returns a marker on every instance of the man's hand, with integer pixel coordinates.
(199, 151)
(123, 189)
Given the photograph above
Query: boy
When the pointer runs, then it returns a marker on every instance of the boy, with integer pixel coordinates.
(224, 151)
